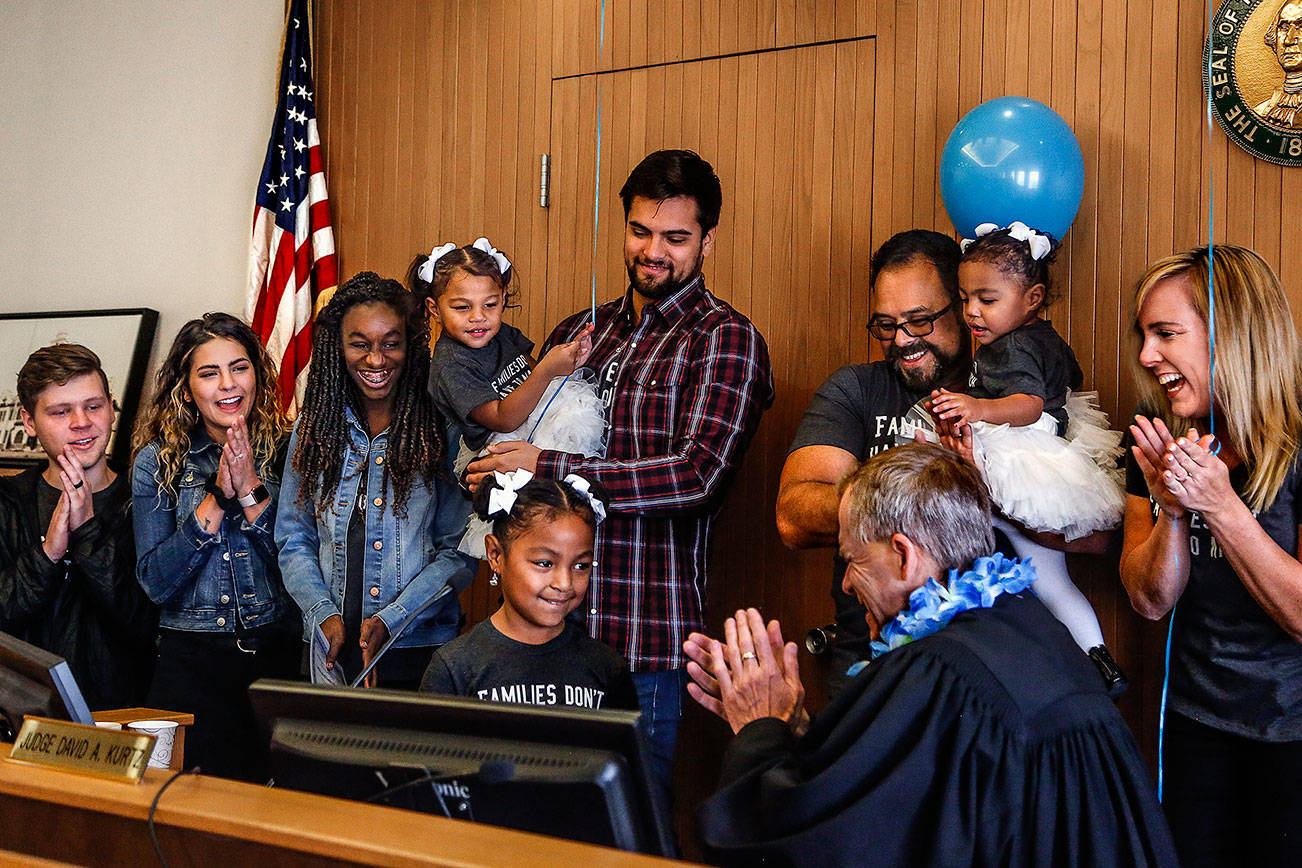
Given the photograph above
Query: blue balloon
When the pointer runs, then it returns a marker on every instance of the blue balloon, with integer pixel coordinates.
(1012, 158)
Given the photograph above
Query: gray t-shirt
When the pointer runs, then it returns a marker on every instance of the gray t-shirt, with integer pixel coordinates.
(1233, 667)
(571, 670)
(861, 409)
(462, 378)
(1030, 360)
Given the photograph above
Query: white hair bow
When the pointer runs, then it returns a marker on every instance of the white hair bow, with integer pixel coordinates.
(1039, 245)
(583, 487)
(500, 258)
(502, 498)
(426, 272)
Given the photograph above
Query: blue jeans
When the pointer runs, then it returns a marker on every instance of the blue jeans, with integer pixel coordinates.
(660, 695)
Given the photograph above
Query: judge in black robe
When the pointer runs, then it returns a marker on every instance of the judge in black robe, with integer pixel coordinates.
(990, 742)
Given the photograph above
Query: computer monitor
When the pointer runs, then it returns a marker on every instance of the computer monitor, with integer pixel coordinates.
(34, 681)
(573, 773)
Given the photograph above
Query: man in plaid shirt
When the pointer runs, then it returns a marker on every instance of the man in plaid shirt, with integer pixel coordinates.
(685, 379)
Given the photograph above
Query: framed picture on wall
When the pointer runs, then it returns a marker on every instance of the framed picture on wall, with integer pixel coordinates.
(122, 338)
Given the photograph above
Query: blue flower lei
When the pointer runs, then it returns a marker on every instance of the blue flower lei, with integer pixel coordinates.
(934, 605)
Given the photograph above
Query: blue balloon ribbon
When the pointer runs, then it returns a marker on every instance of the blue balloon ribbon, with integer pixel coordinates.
(1211, 398)
(596, 193)
(596, 216)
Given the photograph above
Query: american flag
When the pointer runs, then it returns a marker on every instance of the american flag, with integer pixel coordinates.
(292, 259)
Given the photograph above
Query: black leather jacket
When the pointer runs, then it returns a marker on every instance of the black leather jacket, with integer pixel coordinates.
(88, 608)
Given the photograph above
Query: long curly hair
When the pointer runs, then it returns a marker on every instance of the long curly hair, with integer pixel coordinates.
(171, 416)
(415, 445)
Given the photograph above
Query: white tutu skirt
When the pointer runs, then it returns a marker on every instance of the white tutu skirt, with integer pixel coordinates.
(1069, 485)
(572, 420)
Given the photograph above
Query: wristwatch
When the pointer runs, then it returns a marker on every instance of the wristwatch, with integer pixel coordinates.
(254, 497)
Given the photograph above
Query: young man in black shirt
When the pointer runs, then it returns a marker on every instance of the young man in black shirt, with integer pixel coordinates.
(67, 550)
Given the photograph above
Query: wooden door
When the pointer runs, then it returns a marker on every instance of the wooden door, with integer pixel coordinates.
(789, 133)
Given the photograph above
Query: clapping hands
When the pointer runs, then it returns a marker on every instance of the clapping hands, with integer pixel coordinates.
(754, 675)
(76, 505)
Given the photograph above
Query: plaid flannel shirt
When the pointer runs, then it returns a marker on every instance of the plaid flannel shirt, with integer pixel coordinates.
(693, 380)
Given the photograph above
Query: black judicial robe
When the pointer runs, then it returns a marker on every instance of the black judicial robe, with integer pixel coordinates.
(990, 742)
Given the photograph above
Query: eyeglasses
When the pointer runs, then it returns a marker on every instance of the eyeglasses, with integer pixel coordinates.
(914, 326)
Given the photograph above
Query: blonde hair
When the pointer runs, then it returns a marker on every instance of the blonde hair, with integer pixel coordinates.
(169, 418)
(1257, 357)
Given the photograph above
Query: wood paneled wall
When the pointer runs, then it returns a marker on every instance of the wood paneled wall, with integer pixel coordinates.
(434, 115)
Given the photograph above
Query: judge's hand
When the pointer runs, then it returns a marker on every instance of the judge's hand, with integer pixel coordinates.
(1152, 440)
(374, 634)
(508, 456)
(333, 628)
(704, 687)
(1198, 479)
(756, 674)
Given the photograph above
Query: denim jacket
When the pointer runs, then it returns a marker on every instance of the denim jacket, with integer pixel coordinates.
(199, 579)
(406, 561)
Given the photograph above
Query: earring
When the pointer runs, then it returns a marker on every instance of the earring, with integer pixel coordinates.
(494, 580)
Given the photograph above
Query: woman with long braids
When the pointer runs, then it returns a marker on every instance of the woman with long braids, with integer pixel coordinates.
(368, 526)
(209, 450)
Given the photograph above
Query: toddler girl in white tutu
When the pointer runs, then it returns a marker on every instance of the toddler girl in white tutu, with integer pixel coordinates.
(1045, 450)
(482, 375)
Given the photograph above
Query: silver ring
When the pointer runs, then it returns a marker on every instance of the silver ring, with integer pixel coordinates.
(239, 455)
(749, 655)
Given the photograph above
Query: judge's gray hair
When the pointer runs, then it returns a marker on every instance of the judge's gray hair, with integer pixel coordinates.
(927, 493)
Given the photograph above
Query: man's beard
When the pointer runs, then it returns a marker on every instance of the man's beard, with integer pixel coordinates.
(942, 369)
(663, 288)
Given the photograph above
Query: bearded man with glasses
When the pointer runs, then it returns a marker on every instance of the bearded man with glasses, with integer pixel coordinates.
(863, 409)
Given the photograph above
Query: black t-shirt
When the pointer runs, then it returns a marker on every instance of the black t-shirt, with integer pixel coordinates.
(108, 645)
(863, 409)
(1232, 666)
(462, 378)
(350, 656)
(47, 498)
(1030, 360)
(572, 670)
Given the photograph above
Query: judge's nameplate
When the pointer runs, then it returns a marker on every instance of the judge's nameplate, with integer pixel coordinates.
(88, 750)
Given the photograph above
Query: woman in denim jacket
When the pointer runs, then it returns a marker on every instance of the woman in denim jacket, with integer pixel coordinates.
(204, 489)
(368, 525)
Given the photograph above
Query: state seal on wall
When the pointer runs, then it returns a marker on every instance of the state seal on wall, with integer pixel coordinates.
(1253, 67)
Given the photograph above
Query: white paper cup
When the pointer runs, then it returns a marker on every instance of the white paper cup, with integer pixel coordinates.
(165, 730)
(108, 724)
